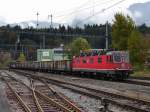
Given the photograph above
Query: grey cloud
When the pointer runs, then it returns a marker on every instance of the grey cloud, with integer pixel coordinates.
(140, 12)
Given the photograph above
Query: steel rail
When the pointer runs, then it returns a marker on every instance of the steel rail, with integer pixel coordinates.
(138, 82)
(53, 102)
(141, 78)
(94, 90)
(97, 90)
(50, 100)
(50, 88)
(108, 100)
(91, 89)
(35, 98)
(37, 103)
(73, 106)
(26, 108)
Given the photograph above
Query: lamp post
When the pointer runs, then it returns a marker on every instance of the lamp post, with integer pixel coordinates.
(106, 36)
(62, 46)
(37, 24)
(69, 54)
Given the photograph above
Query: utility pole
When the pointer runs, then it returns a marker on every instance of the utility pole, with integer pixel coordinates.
(17, 47)
(37, 24)
(107, 35)
(17, 42)
(43, 41)
(26, 53)
(93, 7)
(51, 22)
(22, 50)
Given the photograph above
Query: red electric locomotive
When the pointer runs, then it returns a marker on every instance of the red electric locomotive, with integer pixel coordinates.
(101, 63)
(107, 64)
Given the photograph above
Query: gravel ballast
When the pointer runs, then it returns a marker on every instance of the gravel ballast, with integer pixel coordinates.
(91, 104)
(4, 105)
(110, 85)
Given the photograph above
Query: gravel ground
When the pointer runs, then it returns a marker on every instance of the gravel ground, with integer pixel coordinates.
(90, 104)
(4, 105)
(109, 85)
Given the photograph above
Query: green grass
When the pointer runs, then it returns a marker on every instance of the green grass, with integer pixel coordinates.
(5, 64)
(142, 73)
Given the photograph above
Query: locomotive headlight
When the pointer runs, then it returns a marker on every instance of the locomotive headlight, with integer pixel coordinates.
(122, 65)
(117, 68)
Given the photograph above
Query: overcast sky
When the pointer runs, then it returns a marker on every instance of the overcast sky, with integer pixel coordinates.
(64, 11)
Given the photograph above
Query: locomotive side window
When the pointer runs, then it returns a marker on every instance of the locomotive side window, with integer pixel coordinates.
(84, 60)
(78, 60)
(99, 59)
(107, 58)
(126, 57)
(111, 59)
(91, 60)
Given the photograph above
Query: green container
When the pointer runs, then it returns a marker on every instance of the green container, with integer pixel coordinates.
(44, 55)
(51, 55)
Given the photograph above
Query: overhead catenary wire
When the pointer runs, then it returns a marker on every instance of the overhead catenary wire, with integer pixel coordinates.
(71, 10)
(101, 11)
(83, 9)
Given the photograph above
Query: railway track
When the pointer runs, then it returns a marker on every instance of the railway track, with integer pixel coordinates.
(140, 78)
(138, 82)
(131, 103)
(144, 81)
(38, 97)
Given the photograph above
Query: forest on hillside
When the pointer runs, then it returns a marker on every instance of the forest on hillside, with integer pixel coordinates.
(31, 39)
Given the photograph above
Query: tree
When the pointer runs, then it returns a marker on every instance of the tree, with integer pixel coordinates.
(5, 59)
(135, 48)
(21, 58)
(143, 28)
(146, 49)
(121, 31)
(77, 45)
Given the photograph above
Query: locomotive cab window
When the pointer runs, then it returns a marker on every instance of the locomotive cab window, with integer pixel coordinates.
(109, 59)
(99, 60)
(117, 57)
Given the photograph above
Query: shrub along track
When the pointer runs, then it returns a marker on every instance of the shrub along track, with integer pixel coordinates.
(126, 102)
(37, 98)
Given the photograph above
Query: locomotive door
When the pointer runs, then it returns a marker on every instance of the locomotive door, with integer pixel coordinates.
(124, 58)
